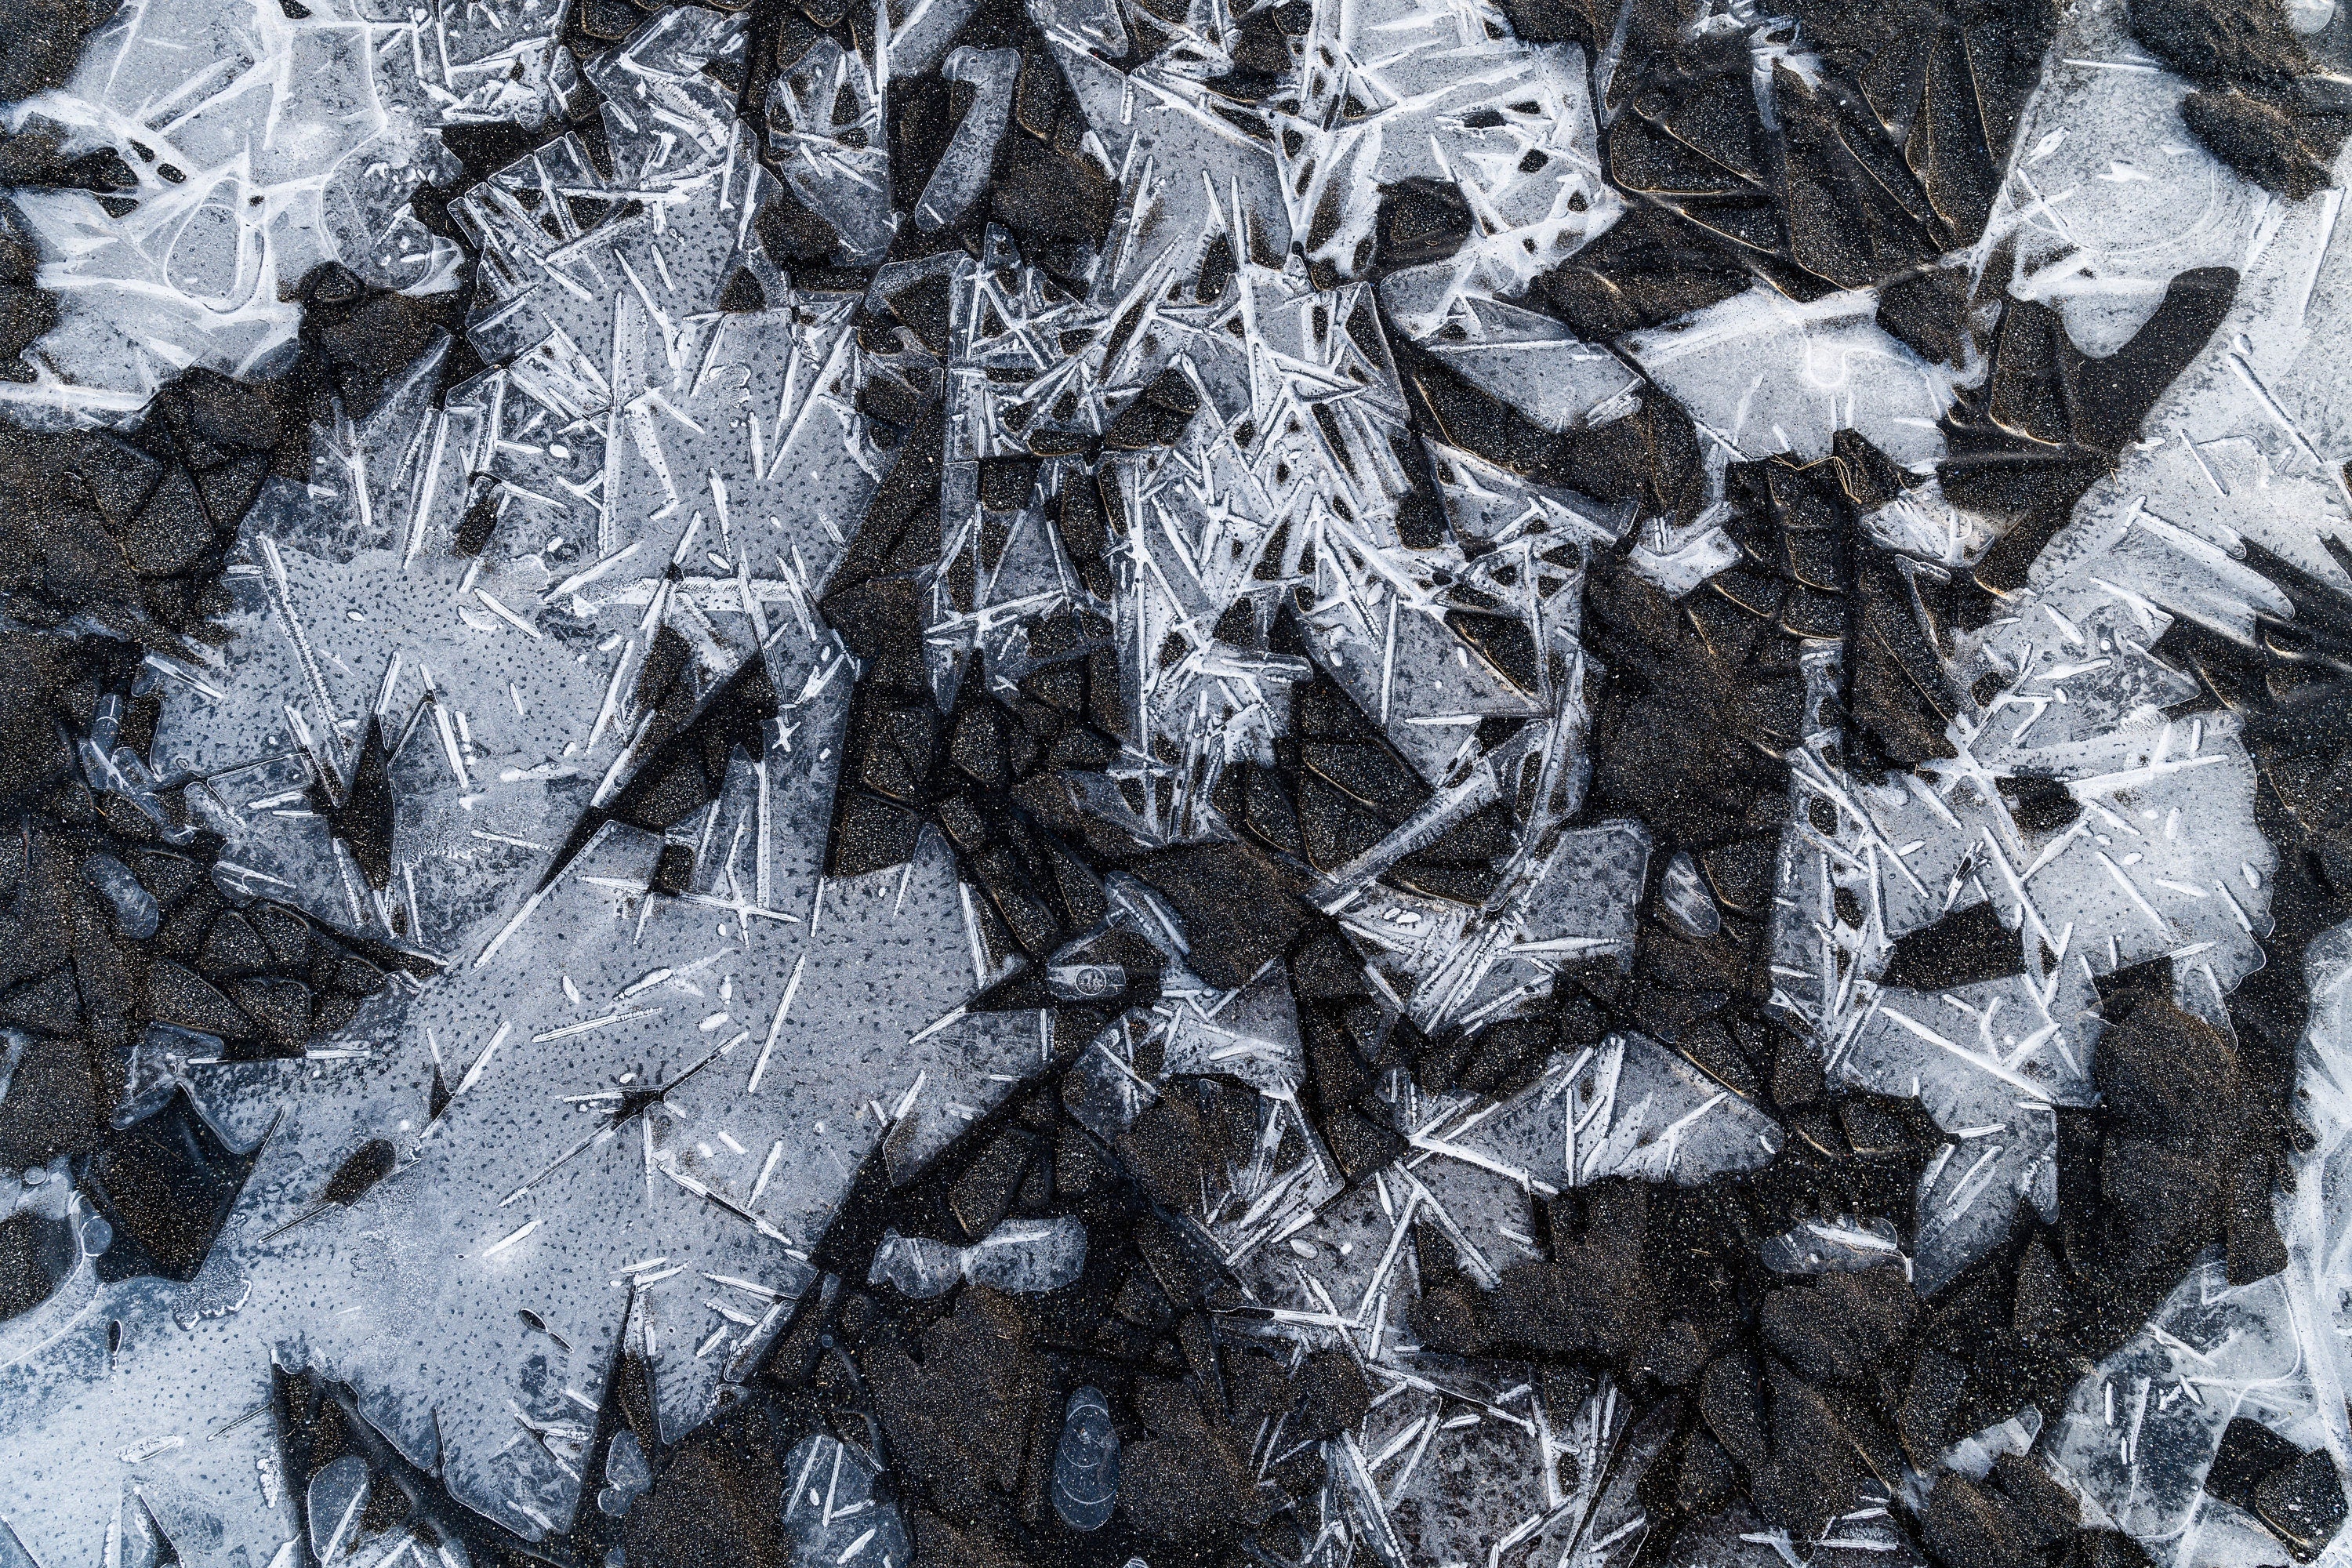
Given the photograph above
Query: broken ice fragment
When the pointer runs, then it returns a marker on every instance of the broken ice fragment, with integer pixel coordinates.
(1973, 1456)
(1835, 1245)
(1763, 374)
(626, 1474)
(1085, 1462)
(109, 769)
(962, 175)
(136, 913)
(831, 1514)
(1022, 1255)
(917, 1265)
(1639, 1109)
(1686, 899)
(1029, 1255)
(333, 1501)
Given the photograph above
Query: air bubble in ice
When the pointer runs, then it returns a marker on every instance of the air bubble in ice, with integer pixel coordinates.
(1085, 982)
(1085, 1462)
(1026, 1256)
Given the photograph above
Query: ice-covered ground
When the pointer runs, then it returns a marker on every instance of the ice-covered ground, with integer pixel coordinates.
(263, 145)
(652, 466)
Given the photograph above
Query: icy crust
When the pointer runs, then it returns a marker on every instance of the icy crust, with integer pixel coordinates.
(2158, 853)
(2154, 862)
(2141, 1432)
(2110, 195)
(484, 1288)
(1438, 98)
(627, 1108)
(475, 1301)
(1760, 375)
(688, 473)
(262, 147)
(2151, 851)
(524, 1202)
